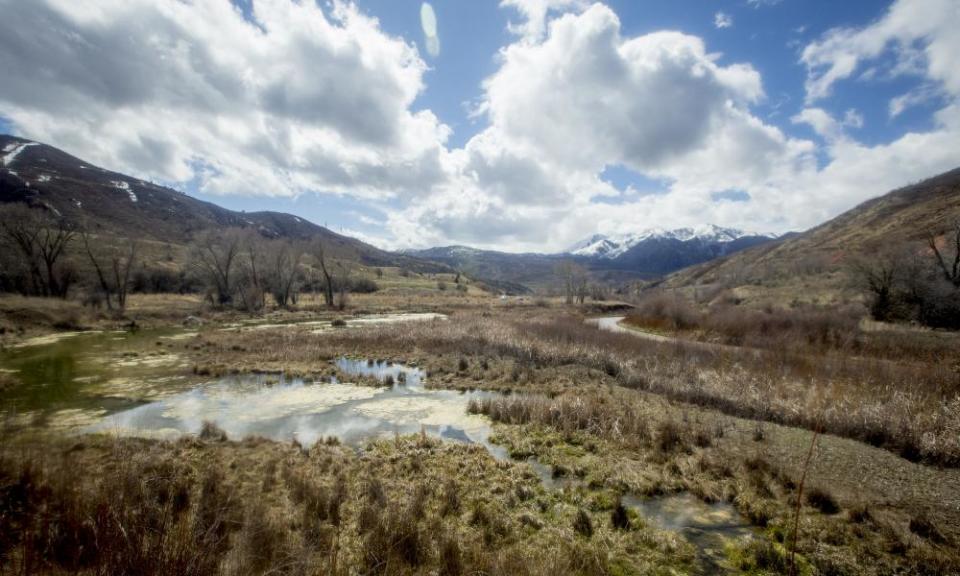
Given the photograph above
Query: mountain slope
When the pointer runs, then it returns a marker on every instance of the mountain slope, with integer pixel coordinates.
(812, 266)
(116, 204)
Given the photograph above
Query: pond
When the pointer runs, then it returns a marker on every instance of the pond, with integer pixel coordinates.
(284, 408)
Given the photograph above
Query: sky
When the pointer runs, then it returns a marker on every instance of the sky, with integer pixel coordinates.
(518, 125)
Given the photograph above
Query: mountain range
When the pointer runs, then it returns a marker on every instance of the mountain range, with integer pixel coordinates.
(116, 204)
(613, 246)
(611, 259)
(120, 205)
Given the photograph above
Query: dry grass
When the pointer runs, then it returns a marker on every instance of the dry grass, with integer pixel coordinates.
(861, 398)
(760, 479)
(811, 330)
(256, 507)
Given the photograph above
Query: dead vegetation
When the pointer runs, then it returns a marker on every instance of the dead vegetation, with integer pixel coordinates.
(582, 436)
(857, 397)
(256, 507)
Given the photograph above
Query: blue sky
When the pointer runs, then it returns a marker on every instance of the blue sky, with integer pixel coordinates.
(505, 138)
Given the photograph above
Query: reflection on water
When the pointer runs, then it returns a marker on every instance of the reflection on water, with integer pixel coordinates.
(86, 371)
(709, 527)
(320, 326)
(282, 408)
(384, 371)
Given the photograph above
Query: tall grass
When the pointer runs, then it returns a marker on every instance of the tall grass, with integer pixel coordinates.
(909, 408)
(191, 507)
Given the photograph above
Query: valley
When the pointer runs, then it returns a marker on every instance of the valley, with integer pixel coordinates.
(485, 288)
(334, 408)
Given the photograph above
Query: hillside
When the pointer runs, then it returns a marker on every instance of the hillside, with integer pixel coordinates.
(116, 204)
(813, 266)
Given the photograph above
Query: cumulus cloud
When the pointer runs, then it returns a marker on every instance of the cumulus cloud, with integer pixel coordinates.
(297, 99)
(564, 107)
(307, 99)
(583, 98)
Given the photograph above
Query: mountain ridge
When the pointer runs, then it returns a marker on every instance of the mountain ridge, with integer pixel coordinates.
(110, 202)
(611, 246)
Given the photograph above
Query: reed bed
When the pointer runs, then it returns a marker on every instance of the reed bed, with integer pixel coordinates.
(909, 408)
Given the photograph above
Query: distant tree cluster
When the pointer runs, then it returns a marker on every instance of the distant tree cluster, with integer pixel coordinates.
(921, 285)
(575, 281)
(239, 268)
(41, 254)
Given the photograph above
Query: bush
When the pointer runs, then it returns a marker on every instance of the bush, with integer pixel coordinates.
(210, 431)
(665, 311)
(822, 501)
(363, 286)
(619, 517)
(582, 524)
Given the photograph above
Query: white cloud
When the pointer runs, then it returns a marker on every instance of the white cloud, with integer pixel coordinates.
(920, 95)
(929, 24)
(722, 20)
(310, 99)
(534, 14)
(564, 108)
(852, 118)
(300, 99)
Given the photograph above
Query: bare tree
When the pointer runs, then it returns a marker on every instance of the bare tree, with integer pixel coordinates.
(213, 257)
(951, 271)
(113, 267)
(574, 279)
(41, 242)
(565, 270)
(285, 273)
(250, 284)
(580, 284)
(320, 255)
(880, 276)
(342, 278)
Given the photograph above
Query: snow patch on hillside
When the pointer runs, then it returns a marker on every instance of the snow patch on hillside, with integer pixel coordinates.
(12, 150)
(613, 245)
(125, 186)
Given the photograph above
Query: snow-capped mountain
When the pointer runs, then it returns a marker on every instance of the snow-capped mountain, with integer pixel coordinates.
(615, 245)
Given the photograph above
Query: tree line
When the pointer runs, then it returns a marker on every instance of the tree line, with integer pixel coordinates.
(44, 255)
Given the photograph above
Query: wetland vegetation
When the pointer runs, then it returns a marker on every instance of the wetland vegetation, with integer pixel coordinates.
(489, 436)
